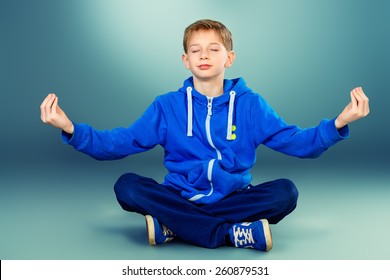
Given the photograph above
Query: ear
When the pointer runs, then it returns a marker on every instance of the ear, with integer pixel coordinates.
(230, 59)
(186, 63)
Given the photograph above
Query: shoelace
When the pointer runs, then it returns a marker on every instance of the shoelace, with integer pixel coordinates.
(243, 236)
(167, 232)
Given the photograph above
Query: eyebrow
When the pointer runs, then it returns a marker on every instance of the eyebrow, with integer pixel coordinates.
(197, 45)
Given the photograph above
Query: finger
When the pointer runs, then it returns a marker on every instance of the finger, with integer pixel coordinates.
(367, 106)
(359, 91)
(55, 104)
(48, 106)
(365, 100)
(45, 100)
(354, 102)
(42, 107)
(362, 102)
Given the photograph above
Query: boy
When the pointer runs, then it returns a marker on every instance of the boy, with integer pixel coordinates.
(210, 129)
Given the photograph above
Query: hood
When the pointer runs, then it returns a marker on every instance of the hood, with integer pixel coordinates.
(233, 89)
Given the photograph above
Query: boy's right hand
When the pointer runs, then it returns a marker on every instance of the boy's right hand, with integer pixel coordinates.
(52, 114)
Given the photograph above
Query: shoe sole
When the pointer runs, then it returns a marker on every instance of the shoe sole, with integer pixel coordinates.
(151, 230)
(267, 234)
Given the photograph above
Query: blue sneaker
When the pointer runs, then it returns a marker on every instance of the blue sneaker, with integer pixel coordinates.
(157, 233)
(255, 235)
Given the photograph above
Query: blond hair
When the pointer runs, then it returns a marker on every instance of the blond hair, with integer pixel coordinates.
(208, 24)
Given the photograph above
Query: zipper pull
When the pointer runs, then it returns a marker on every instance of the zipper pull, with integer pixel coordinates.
(209, 106)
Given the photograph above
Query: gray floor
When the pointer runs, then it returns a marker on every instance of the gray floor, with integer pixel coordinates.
(47, 214)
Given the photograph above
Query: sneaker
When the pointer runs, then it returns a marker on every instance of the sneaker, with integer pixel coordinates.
(157, 233)
(255, 235)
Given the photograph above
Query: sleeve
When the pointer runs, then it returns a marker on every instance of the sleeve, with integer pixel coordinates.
(144, 134)
(273, 132)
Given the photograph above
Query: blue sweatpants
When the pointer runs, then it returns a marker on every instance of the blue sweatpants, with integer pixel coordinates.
(205, 225)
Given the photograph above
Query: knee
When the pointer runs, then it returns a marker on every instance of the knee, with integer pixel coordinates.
(128, 185)
(124, 181)
(288, 192)
(129, 190)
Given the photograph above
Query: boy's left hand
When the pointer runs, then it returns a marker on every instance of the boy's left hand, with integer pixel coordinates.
(357, 109)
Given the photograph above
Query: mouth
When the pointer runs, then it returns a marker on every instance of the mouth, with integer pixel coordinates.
(204, 66)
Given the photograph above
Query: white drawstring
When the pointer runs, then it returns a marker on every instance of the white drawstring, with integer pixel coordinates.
(190, 114)
(189, 111)
(230, 115)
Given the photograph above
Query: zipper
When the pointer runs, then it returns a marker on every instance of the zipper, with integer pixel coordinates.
(210, 140)
(208, 131)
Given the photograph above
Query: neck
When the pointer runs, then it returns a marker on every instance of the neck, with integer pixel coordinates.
(210, 88)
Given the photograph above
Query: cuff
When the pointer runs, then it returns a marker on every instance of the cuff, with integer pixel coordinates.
(332, 135)
(74, 138)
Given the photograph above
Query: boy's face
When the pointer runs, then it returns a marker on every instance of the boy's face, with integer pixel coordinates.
(206, 56)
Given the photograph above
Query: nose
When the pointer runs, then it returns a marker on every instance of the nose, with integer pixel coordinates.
(204, 55)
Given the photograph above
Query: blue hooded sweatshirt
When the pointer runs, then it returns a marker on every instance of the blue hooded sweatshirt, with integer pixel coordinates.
(210, 142)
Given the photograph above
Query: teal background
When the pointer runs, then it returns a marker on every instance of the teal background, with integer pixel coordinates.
(107, 60)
